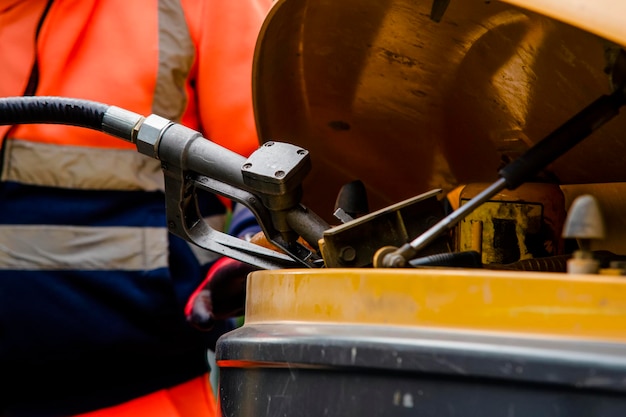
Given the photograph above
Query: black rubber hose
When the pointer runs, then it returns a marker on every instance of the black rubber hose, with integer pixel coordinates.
(52, 110)
(468, 259)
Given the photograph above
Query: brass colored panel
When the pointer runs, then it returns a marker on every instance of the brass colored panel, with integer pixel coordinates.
(514, 225)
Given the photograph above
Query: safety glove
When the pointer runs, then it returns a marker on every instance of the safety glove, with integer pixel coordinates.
(221, 295)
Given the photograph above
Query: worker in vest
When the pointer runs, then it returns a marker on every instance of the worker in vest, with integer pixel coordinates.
(92, 286)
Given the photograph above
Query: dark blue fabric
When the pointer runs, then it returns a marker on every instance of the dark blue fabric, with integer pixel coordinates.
(101, 336)
(21, 204)
(243, 223)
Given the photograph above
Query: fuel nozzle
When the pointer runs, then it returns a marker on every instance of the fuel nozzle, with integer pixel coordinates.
(276, 171)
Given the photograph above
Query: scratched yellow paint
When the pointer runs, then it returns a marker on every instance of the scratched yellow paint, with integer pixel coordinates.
(581, 306)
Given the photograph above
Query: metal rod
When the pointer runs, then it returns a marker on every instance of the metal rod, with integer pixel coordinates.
(399, 257)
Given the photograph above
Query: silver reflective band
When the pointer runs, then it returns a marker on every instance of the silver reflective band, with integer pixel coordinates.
(176, 55)
(80, 167)
(44, 247)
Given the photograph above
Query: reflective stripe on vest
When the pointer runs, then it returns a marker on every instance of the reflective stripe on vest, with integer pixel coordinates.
(78, 167)
(176, 54)
(37, 247)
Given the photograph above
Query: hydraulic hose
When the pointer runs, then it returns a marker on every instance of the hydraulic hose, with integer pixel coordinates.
(68, 111)
(29, 110)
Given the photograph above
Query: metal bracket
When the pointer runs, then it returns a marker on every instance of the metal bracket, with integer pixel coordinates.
(353, 244)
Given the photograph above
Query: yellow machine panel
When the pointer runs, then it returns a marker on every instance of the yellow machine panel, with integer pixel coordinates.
(433, 100)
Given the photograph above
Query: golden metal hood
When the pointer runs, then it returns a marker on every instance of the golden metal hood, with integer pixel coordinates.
(383, 92)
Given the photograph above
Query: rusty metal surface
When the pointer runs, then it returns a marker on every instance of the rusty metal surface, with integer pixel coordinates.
(378, 91)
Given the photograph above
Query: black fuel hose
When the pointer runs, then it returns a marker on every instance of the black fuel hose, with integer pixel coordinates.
(102, 117)
(52, 110)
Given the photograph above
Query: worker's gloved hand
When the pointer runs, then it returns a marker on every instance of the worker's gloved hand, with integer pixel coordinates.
(222, 294)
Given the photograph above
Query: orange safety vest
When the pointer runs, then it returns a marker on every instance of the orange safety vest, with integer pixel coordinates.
(148, 56)
(190, 399)
(186, 60)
